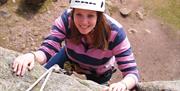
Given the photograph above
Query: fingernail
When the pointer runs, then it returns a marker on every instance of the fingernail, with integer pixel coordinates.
(29, 69)
(17, 74)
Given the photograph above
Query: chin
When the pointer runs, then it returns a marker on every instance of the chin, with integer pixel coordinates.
(83, 33)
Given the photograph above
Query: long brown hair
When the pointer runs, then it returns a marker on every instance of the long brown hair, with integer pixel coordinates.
(99, 36)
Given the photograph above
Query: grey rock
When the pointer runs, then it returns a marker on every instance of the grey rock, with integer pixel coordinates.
(132, 30)
(147, 31)
(4, 14)
(56, 82)
(140, 15)
(159, 86)
(60, 82)
(125, 11)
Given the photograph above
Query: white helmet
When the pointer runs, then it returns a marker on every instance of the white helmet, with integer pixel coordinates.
(96, 5)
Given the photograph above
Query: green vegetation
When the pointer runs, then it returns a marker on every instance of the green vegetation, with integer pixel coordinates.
(167, 10)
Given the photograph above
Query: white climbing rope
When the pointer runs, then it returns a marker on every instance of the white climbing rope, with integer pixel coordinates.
(54, 68)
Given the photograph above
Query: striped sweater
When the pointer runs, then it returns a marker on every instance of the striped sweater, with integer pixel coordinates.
(119, 50)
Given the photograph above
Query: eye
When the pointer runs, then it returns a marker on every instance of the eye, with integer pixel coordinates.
(78, 14)
(91, 16)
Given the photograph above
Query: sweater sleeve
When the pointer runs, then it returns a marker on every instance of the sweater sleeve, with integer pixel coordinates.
(52, 43)
(123, 54)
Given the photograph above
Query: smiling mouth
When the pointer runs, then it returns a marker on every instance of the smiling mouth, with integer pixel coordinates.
(84, 27)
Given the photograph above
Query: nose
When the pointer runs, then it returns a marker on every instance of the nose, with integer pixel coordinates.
(84, 20)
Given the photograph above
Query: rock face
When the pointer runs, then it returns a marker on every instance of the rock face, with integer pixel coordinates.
(159, 86)
(61, 82)
(2, 2)
(56, 82)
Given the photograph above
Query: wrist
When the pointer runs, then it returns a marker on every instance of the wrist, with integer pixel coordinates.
(34, 56)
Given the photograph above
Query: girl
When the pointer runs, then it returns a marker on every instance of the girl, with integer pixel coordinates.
(93, 41)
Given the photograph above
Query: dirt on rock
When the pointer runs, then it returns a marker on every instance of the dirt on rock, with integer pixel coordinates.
(156, 47)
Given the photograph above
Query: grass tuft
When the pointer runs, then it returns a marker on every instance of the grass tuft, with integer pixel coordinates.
(167, 10)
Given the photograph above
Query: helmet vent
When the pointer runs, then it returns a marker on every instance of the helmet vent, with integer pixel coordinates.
(92, 3)
(102, 4)
(96, 5)
(78, 1)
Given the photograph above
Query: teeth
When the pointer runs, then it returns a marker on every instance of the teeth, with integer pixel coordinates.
(83, 26)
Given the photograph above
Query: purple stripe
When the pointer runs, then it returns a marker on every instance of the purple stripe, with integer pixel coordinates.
(85, 65)
(130, 72)
(107, 66)
(123, 46)
(53, 43)
(57, 34)
(113, 21)
(113, 35)
(126, 58)
(100, 69)
(59, 23)
(51, 52)
(94, 53)
(124, 66)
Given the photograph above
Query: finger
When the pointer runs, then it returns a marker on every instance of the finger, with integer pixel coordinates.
(15, 67)
(120, 89)
(23, 70)
(115, 89)
(18, 71)
(31, 65)
(111, 87)
(106, 89)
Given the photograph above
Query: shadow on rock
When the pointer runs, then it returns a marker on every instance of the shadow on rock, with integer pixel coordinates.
(28, 8)
(2, 2)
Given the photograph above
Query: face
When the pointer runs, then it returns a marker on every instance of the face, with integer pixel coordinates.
(85, 20)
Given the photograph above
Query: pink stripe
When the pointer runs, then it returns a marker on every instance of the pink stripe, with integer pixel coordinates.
(100, 69)
(106, 66)
(113, 35)
(86, 66)
(95, 53)
(129, 72)
(51, 52)
(57, 34)
(124, 45)
(126, 58)
(53, 43)
(59, 23)
(124, 66)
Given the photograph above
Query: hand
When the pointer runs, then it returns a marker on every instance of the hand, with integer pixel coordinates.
(22, 62)
(119, 86)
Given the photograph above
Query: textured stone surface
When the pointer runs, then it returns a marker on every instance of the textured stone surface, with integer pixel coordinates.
(61, 82)
(160, 86)
(56, 82)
